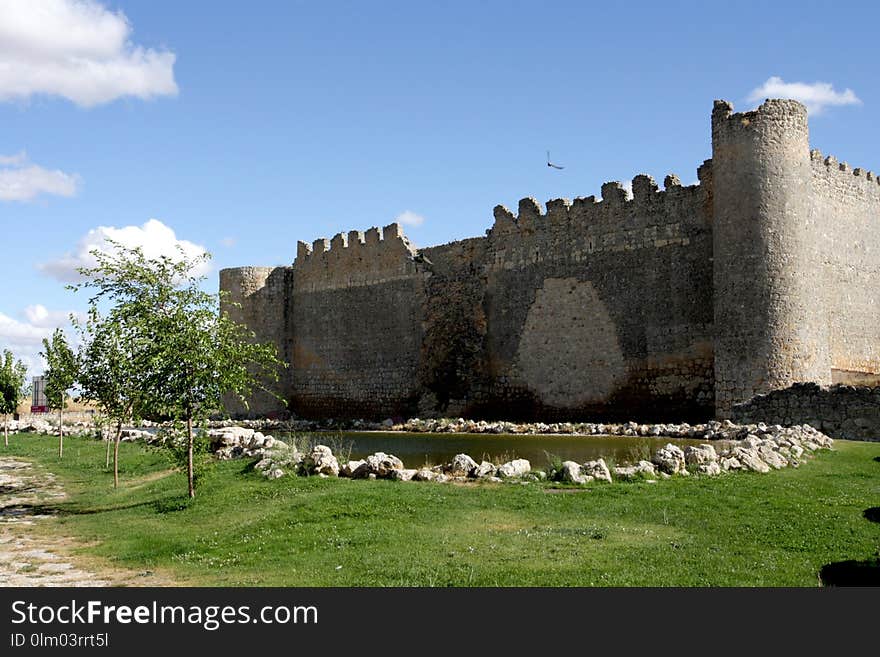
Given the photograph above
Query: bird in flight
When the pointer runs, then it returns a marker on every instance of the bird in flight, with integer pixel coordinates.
(550, 164)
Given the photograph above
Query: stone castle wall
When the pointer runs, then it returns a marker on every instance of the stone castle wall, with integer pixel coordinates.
(356, 334)
(846, 210)
(673, 304)
(839, 411)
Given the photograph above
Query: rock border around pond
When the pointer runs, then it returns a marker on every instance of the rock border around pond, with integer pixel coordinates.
(768, 448)
(753, 447)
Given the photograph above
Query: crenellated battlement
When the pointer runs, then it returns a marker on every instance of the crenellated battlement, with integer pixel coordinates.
(614, 210)
(645, 300)
(354, 258)
(836, 170)
(772, 115)
(354, 244)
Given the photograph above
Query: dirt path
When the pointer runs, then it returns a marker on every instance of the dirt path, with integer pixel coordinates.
(29, 557)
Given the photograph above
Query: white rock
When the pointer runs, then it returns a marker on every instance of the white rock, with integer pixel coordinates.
(515, 468)
(772, 458)
(597, 469)
(643, 468)
(571, 473)
(379, 464)
(712, 468)
(320, 460)
(730, 463)
(700, 454)
(461, 465)
(402, 475)
(484, 469)
(750, 460)
(669, 459)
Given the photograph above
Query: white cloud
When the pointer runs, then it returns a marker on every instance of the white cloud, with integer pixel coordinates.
(229, 242)
(79, 50)
(14, 160)
(25, 338)
(22, 181)
(41, 317)
(155, 239)
(409, 218)
(815, 96)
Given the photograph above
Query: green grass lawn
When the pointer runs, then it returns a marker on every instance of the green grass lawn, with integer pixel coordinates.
(777, 529)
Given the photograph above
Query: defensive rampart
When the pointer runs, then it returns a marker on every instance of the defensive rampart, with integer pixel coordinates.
(673, 303)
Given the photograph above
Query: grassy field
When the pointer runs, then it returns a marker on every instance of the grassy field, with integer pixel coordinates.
(777, 529)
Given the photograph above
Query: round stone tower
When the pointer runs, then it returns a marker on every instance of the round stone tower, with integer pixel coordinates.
(256, 298)
(770, 328)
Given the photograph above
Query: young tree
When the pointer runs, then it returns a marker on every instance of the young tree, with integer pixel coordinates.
(13, 375)
(110, 371)
(60, 377)
(192, 354)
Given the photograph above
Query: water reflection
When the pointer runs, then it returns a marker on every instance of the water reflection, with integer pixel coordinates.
(416, 449)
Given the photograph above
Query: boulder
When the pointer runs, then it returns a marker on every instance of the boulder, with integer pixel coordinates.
(461, 465)
(402, 475)
(642, 469)
(772, 458)
(712, 468)
(669, 459)
(597, 469)
(571, 473)
(750, 459)
(320, 460)
(484, 469)
(424, 474)
(730, 463)
(380, 465)
(700, 454)
(515, 468)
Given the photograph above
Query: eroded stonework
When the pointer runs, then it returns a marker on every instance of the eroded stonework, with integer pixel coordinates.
(569, 353)
(673, 304)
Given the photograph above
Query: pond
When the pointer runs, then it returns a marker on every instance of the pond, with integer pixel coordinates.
(417, 449)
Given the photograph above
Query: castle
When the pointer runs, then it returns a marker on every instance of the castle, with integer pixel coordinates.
(674, 304)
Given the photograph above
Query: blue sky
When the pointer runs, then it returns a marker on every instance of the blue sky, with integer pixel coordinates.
(244, 127)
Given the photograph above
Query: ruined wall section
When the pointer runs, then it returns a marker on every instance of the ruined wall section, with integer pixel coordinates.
(770, 319)
(840, 411)
(257, 297)
(846, 210)
(356, 335)
(601, 308)
(454, 327)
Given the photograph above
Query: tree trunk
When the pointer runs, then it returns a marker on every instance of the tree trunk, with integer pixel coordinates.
(6, 431)
(116, 455)
(61, 432)
(189, 456)
(106, 438)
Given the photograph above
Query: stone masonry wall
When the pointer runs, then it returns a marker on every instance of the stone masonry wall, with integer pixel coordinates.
(771, 329)
(601, 308)
(356, 334)
(839, 411)
(846, 207)
(675, 304)
(258, 298)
